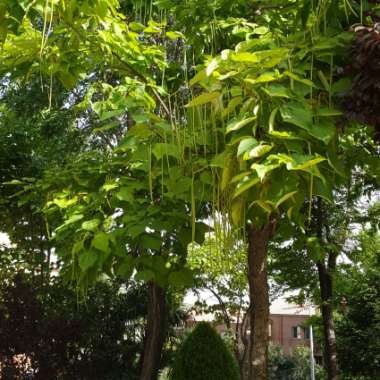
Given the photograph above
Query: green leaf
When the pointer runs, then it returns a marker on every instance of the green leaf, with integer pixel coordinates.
(77, 247)
(125, 194)
(87, 260)
(73, 218)
(245, 57)
(219, 160)
(107, 127)
(278, 91)
(246, 145)
(297, 114)
(232, 104)
(164, 149)
(245, 184)
(258, 151)
(174, 35)
(108, 186)
(101, 242)
(65, 202)
(91, 225)
(211, 67)
(263, 169)
(125, 269)
(323, 190)
(237, 210)
(336, 163)
(284, 135)
(203, 99)
(181, 278)
(272, 119)
(108, 114)
(141, 131)
(285, 197)
(314, 249)
(238, 124)
(328, 112)
(198, 77)
(136, 26)
(266, 206)
(297, 78)
(13, 182)
(264, 78)
(135, 230)
(272, 57)
(151, 242)
(325, 130)
(145, 275)
(300, 114)
(227, 75)
(282, 188)
(302, 162)
(342, 85)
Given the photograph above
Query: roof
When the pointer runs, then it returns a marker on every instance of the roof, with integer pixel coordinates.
(283, 307)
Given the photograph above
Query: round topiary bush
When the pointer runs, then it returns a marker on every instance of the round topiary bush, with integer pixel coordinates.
(204, 356)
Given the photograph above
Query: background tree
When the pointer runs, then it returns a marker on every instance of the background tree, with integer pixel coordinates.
(220, 269)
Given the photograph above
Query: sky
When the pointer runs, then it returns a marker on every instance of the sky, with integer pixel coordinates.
(4, 240)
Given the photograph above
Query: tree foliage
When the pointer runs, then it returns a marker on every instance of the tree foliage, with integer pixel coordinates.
(62, 339)
(154, 117)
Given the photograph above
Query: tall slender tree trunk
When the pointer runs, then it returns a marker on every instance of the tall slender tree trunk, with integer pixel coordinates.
(326, 270)
(259, 299)
(326, 286)
(155, 332)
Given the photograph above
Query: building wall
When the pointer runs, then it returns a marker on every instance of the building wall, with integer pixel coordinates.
(281, 331)
(282, 327)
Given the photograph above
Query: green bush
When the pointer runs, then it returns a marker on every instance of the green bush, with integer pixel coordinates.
(294, 367)
(204, 356)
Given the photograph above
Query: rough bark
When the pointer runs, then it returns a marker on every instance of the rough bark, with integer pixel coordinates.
(155, 332)
(259, 299)
(326, 286)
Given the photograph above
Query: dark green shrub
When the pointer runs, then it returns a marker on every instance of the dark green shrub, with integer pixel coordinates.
(204, 356)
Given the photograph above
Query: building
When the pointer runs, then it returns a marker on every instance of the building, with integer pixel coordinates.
(288, 325)
(287, 328)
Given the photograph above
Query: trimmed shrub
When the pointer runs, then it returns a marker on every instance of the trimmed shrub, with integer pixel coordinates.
(204, 356)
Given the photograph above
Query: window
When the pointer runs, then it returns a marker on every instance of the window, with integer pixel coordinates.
(306, 332)
(296, 332)
(270, 329)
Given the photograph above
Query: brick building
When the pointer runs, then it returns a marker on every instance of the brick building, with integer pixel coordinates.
(287, 326)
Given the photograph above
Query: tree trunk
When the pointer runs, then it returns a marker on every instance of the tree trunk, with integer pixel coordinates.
(155, 332)
(326, 286)
(325, 274)
(259, 299)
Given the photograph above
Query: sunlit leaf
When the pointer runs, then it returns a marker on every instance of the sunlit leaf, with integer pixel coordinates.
(238, 124)
(203, 99)
(258, 151)
(246, 145)
(263, 169)
(91, 225)
(161, 150)
(245, 184)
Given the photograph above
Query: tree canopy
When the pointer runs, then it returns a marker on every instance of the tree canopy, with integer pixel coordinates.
(172, 143)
